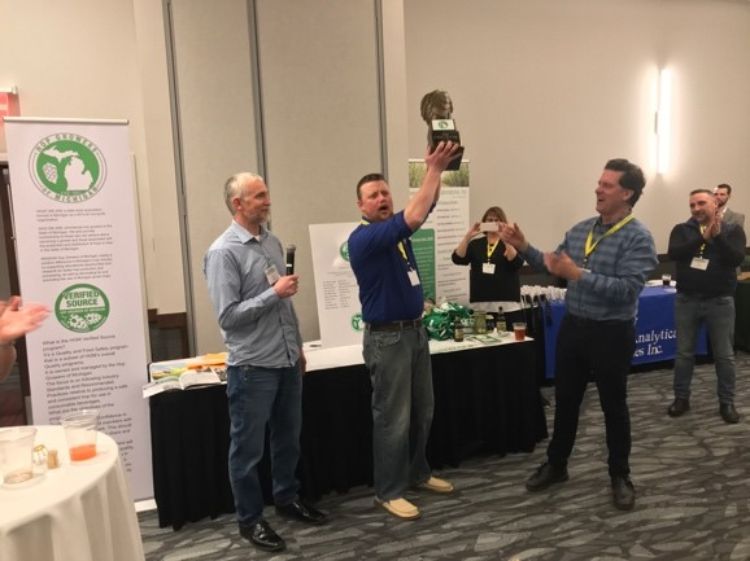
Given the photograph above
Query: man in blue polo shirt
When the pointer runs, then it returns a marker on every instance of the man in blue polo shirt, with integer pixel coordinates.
(605, 260)
(395, 345)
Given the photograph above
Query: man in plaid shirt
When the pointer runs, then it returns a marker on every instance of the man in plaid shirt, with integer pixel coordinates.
(605, 261)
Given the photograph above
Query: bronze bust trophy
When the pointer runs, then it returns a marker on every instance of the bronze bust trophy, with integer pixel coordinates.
(437, 108)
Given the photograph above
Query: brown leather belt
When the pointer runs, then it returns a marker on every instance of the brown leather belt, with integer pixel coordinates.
(396, 325)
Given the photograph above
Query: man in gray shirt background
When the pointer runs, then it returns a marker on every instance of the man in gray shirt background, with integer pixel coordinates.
(723, 193)
(252, 300)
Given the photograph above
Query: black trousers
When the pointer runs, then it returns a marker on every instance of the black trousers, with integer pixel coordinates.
(598, 351)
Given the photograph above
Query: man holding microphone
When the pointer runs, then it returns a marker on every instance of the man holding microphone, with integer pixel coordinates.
(252, 301)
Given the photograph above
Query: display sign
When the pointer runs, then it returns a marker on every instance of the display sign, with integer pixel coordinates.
(77, 246)
(336, 290)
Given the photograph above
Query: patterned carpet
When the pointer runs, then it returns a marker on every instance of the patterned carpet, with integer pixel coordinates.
(691, 476)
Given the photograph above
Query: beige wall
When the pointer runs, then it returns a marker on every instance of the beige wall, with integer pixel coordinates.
(545, 92)
(320, 122)
(321, 111)
(212, 54)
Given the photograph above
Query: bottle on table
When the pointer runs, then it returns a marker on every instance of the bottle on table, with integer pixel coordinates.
(489, 320)
(500, 322)
(458, 331)
(480, 324)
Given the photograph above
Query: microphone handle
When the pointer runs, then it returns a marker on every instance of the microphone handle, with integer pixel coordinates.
(290, 263)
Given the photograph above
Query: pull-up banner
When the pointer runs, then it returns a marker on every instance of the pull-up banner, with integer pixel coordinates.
(76, 233)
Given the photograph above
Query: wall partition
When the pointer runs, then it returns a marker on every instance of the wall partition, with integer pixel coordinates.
(284, 88)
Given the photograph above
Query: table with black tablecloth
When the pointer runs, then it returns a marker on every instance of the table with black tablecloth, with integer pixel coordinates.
(486, 402)
(742, 321)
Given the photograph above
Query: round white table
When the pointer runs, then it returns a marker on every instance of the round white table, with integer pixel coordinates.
(81, 511)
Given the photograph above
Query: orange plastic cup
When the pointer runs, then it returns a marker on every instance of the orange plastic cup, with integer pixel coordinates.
(80, 433)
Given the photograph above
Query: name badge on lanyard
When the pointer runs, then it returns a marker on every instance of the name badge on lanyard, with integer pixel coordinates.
(412, 272)
(413, 277)
(488, 268)
(272, 274)
(700, 263)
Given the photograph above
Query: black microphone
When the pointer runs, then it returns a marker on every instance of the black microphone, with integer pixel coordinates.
(290, 249)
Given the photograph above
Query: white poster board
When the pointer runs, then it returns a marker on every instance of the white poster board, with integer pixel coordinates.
(435, 241)
(336, 290)
(77, 247)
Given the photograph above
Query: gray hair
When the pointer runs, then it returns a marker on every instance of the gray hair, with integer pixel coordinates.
(235, 185)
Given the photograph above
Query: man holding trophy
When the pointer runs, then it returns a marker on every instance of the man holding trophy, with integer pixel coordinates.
(395, 345)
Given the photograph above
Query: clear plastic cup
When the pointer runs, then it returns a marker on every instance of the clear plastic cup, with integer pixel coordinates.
(16, 450)
(519, 330)
(80, 433)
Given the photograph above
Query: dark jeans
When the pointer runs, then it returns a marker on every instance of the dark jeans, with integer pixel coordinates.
(260, 397)
(600, 351)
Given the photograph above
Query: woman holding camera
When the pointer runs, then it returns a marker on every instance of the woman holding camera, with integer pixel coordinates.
(493, 277)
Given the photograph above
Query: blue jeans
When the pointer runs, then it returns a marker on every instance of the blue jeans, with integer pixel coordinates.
(718, 315)
(259, 397)
(402, 406)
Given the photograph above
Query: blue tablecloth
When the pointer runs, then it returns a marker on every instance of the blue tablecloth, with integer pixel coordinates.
(655, 333)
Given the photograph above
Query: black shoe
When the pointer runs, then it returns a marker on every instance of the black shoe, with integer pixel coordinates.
(729, 413)
(262, 536)
(623, 493)
(546, 475)
(298, 510)
(680, 406)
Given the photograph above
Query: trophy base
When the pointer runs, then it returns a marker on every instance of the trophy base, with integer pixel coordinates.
(437, 136)
(455, 163)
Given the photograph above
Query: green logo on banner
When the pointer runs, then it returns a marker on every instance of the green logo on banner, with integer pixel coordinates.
(344, 251)
(68, 168)
(82, 308)
(357, 323)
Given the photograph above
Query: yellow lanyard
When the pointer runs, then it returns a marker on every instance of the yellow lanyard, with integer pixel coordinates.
(401, 248)
(591, 244)
(703, 245)
(491, 249)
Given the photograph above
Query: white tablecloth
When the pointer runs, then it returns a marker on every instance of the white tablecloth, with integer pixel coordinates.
(80, 511)
(323, 358)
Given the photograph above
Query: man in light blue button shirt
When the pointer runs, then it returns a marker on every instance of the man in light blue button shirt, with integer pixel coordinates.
(252, 299)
